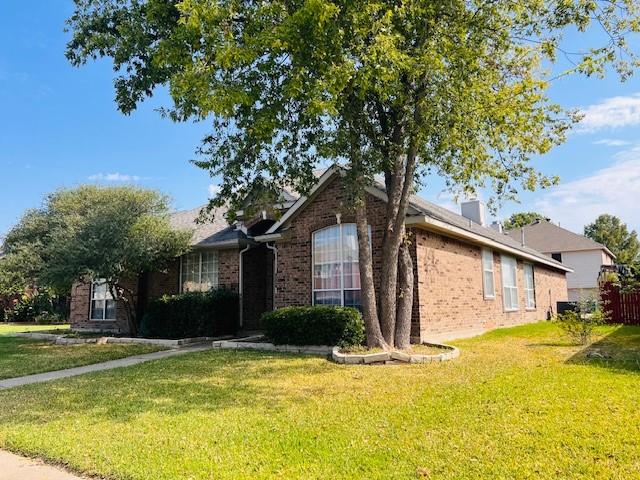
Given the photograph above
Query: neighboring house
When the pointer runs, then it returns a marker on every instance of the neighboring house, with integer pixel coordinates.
(468, 278)
(584, 256)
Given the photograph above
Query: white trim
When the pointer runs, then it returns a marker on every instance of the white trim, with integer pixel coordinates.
(341, 289)
(104, 309)
(533, 286)
(216, 284)
(268, 238)
(303, 199)
(439, 226)
(485, 295)
(503, 270)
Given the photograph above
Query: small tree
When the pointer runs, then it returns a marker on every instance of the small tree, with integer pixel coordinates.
(610, 231)
(580, 323)
(522, 219)
(91, 232)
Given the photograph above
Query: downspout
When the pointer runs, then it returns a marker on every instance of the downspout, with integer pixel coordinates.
(240, 276)
(274, 249)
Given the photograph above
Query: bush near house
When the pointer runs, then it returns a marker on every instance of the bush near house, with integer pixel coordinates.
(318, 325)
(192, 314)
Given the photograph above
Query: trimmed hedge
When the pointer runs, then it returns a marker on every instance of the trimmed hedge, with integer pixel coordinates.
(192, 314)
(318, 325)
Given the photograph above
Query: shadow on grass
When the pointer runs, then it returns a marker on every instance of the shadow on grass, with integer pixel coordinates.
(619, 350)
(199, 382)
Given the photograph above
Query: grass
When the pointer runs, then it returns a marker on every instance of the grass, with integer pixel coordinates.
(32, 327)
(521, 403)
(21, 356)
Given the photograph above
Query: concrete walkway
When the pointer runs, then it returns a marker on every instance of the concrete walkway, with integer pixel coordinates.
(15, 467)
(97, 367)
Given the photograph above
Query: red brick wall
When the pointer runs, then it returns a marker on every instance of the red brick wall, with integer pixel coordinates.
(293, 281)
(79, 311)
(450, 291)
(158, 284)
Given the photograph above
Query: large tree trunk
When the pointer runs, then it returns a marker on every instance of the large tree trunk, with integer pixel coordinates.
(399, 187)
(405, 296)
(374, 335)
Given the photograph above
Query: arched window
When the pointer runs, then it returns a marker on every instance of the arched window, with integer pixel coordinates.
(336, 275)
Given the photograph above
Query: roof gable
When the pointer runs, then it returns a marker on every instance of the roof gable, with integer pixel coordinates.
(456, 225)
(550, 238)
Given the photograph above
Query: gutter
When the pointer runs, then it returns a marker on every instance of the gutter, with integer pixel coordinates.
(268, 237)
(457, 232)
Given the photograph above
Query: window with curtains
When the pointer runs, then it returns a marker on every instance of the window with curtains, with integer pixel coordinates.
(103, 306)
(487, 274)
(336, 275)
(199, 271)
(509, 282)
(529, 286)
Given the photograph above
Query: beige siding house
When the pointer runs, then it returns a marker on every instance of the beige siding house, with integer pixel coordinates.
(584, 256)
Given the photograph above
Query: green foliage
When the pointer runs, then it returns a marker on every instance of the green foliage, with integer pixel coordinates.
(192, 314)
(610, 231)
(48, 318)
(27, 307)
(289, 84)
(580, 323)
(318, 325)
(523, 219)
(89, 232)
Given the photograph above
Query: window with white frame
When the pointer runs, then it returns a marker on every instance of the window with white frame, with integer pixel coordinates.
(509, 282)
(103, 305)
(488, 284)
(529, 286)
(336, 274)
(199, 271)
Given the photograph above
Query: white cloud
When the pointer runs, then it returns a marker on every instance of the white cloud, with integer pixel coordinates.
(214, 190)
(612, 142)
(114, 177)
(614, 112)
(614, 189)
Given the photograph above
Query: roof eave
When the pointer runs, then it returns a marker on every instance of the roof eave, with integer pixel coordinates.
(224, 244)
(451, 230)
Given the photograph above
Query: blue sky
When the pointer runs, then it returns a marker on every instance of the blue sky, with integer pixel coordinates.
(60, 128)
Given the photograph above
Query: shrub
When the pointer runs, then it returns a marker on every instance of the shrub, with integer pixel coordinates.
(47, 318)
(318, 325)
(580, 322)
(27, 307)
(192, 314)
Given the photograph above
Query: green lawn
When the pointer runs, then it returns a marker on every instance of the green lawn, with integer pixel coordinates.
(518, 403)
(21, 356)
(29, 327)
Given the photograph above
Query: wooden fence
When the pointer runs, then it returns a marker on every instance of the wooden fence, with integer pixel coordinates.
(621, 307)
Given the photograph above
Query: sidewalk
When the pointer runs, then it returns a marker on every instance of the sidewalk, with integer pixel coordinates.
(15, 467)
(97, 367)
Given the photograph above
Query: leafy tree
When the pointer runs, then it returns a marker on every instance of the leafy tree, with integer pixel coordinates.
(522, 219)
(90, 232)
(610, 231)
(401, 89)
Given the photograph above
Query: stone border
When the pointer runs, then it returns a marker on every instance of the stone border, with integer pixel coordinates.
(247, 344)
(384, 357)
(63, 340)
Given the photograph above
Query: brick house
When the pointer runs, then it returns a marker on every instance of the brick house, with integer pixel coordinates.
(468, 278)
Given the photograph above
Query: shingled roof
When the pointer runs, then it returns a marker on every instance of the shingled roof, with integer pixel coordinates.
(427, 215)
(550, 238)
(213, 233)
(447, 216)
